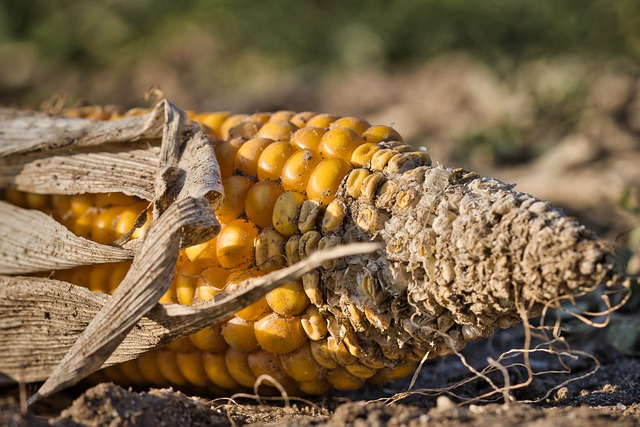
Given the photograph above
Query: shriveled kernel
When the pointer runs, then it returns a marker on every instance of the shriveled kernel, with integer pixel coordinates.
(314, 323)
(279, 335)
(273, 159)
(286, 212)
(310, 211)
(236, 188)
(320, 352)
(350, 341)
(356, 123)
(279, 130)
(309, 243)
(298, 170)
(322, 120)
(381, 158)
(359, 370)
(339, 352)
(288, 299)
(315, 388)
(326, 178)
(333, 216)
(326, 242)
(342, 380)
(291, 249)
(311, 285)
(226, 156)
(354, 182)
(209, 339)
(235, 244)
(363, 153)
(203, 255)
(168, 366)
(246, 160)
(370, 186)
(231, 122)
(403, 162)
(263, 362)
(302, 118)
(270, 254)
(387, 195)
(191, 367)
(371, 219)
(260, 201)
(238, 367)
(381, 133)
(215, 367)
(308, 138)
(239, 334)
(301, 366)
(339, 142)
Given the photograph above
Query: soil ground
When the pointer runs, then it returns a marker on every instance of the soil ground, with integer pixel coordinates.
(568, 132)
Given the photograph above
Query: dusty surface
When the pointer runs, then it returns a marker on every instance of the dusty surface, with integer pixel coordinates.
(567, 132)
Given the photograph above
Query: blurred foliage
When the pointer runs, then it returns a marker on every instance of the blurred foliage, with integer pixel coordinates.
(222, 44)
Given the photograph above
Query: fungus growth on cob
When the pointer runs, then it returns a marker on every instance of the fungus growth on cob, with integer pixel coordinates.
(462, 255)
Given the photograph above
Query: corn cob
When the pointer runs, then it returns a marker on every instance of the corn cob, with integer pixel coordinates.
(298, 182)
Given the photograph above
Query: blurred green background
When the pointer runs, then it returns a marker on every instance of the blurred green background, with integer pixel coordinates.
(544, 93)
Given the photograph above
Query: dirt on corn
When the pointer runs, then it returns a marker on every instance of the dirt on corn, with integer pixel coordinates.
(591, 173)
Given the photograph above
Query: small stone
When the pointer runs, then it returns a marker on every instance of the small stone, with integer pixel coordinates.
(621, 406)
(444, 403)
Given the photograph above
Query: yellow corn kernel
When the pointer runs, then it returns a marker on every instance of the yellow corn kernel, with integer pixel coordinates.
(238, 367)
(279, 335)
(357, 124)
(333, 216)
(339, 352)
(311, 284)
(209, 339)
(226, 156)
(215, 277)
(342, 380)
(255, 310)
(339, 142)
(128, 218)
(103, 229)
(61, 203)
(118, 272)
(381, 158)
(279, 130)
(308, 138)
(181, 344)
(361, 371)
(320, 353)
(185, 267)
(355, 180)
(213, 121)
(203, 255)
(282, 115)
(286, 212)
(288, 299)
(300, 119)
(313, 323)
(262, 117)
(99, 276)
(315, 388)
(235, 244)
(216, 369)
(381, 133)
(262, 362)
(80, 203)
(401, 370)
(114, 374)
(239, 334)
(301, 365)
(322, 120)
(235, 193)
(37, 201)
(261, 198)
(15, 197)
(326, 178)
(363, 153)
(246, 161)
(148, 366)
(231, 122)
(298, 169)
(130, 370)
(273, 158)
(270, 250)
(247, 129)
(191, 367)
(80, 276)
(168, 366)
(83, 225)
(185, 288)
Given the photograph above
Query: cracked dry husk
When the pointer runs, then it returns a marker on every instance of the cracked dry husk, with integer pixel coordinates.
(462, 255)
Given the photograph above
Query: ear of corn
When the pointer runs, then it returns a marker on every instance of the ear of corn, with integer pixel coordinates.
(295, 183)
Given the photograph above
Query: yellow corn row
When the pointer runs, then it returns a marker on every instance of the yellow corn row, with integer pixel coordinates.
(457, 256)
